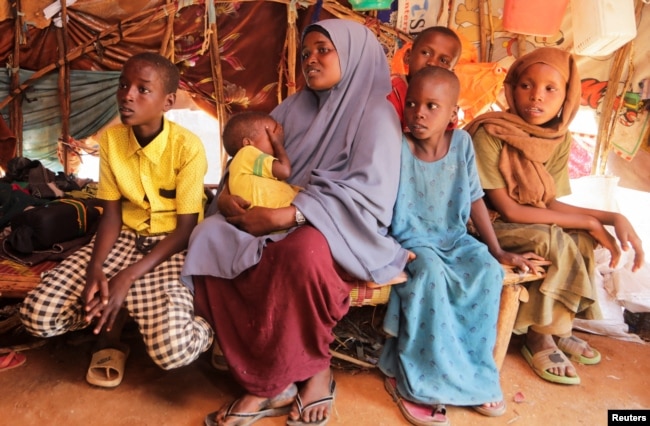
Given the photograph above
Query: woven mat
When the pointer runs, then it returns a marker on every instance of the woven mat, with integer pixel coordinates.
(17, 280)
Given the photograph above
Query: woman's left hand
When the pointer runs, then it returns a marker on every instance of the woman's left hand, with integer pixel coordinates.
(263, 221)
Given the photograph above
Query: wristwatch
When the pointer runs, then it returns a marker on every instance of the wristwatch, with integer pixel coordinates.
(300, 218)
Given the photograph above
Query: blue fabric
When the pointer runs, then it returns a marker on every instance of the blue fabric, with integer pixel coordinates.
(443, 319)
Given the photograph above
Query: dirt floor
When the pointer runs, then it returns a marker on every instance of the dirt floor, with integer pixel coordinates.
(50, 389)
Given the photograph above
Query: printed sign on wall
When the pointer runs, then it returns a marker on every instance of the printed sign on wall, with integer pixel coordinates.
(415, 15)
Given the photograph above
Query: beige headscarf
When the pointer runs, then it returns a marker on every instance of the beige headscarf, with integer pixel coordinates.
(526, 146)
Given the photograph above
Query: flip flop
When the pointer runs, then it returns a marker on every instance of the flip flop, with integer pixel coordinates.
(10, 322)
(329, 399)
(107, 367)
(11, 360)
(496, 411)
(279, 405)
(417, 414)
(573, 347)
(17, 339)
(246, 419)
(548, 358)
(218, 360)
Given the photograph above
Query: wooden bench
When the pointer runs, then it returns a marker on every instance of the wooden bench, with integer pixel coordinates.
(17, 280)
(512, 293)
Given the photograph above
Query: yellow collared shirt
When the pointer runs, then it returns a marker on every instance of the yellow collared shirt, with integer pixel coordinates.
(155, 183)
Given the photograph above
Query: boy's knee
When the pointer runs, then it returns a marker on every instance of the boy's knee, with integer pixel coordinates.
(34, 324)
(179, 351)
(175, 358)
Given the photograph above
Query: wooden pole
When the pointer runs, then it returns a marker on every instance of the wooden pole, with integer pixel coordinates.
(167, 44)
(521, 45)
(490, 20)
(482, 25)
(508, 307)
(291, 50)
(609, 114)
(64, 84)
(110, 36)
(16, 118)
(452, 12)
(217, 76)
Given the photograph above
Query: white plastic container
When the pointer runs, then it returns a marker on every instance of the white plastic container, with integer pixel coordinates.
(602, 26)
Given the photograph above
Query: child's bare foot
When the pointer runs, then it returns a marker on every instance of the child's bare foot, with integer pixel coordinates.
(547, 360)
(578, 350)
(252, 408)
(538, 342)
(491, 409)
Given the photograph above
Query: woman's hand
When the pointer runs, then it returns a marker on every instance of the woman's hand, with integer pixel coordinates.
(627, 236)
(263, 221)
(231, 205)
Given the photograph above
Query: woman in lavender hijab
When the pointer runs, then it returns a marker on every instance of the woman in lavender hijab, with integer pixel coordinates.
(273, 298)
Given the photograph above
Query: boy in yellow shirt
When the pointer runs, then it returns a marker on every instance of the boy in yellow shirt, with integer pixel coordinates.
(151, 188)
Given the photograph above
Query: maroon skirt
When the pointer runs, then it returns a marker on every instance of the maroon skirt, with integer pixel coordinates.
(274, 321)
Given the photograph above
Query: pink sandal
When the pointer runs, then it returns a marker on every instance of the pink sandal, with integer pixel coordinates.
(11, 360)
(417, 414)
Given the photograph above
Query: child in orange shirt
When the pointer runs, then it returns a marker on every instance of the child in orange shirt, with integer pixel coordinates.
(435, 46)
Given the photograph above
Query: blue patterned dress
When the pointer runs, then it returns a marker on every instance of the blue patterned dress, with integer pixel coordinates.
(442, 321)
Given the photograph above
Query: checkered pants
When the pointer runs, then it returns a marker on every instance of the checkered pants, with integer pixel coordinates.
(159, 303)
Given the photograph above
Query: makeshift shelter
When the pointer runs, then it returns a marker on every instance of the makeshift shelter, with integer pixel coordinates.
(61, 60)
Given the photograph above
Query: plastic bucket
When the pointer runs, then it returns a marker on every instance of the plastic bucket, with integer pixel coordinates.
(540, 18)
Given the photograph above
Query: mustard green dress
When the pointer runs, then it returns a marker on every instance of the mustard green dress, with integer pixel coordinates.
(569, 288)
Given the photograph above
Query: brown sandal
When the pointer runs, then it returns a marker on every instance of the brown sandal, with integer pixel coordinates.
(573, 347)
(549, 358)
(417, 414)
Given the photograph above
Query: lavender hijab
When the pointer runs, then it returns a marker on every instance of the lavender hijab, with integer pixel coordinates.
(344, 145)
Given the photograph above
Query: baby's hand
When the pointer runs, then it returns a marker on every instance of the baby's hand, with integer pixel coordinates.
(276, 135)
